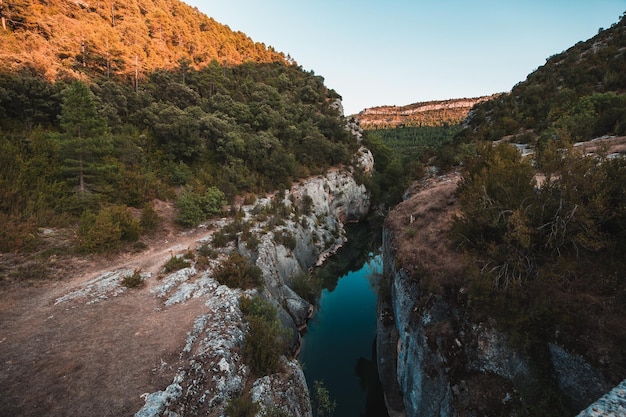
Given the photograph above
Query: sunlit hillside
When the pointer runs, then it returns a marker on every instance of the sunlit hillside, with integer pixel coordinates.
(113, 38)
(429, 113)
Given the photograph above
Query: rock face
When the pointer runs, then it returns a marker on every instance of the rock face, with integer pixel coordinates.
(431, 113)
(293, 230)
(612, 404)
(324, 204)
(433, 360)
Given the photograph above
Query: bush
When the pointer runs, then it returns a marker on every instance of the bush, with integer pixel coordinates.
(258, 306)
(265, 341)
(286, 239)
(194, 208)
(276, 412)
(238, 272)
(306, 287)
(149, 218)
(175, 263)
(324, 406)
(207, 251)
(133, 280)
(253, 243)
(16, 234)
(107, 230)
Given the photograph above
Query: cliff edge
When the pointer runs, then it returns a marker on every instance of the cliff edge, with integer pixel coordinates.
(436, 355)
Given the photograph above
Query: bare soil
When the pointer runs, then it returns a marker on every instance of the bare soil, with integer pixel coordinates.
(78, 359)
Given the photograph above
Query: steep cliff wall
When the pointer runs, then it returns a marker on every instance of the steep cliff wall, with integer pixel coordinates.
(430, 113)
(436, 358)
(293, 231)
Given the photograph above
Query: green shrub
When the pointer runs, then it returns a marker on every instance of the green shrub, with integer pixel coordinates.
(324, 406)
(175, 263)
(253, 242)
(258, 306)
(149, 218)
(306, 287)
(133, 280)
(194, 208)
(16, 234)
(307, 205)
(275, 412)
(107, 230)
(207, 251)
(221, 238)
(286, 239)
(265, 341)
(238, 272)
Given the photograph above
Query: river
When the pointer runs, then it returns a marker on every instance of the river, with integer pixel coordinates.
(339, 344)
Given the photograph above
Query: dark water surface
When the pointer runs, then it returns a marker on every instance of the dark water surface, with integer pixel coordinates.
(338, 347)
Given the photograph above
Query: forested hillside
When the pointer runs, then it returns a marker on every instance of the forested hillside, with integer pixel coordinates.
(208, 116)
(578, 94)
(117, 38)
(544, 235)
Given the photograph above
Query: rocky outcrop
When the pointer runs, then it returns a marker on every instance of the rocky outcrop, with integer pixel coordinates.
(430, 113)
(612, 404)
(318, 209)
(293, 231)
(433, 359)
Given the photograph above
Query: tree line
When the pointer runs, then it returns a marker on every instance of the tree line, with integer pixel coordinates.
(70, 147)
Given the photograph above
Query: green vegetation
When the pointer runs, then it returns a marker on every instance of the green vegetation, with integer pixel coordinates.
(67, 148)
(400, 155)
(239, 272)
(415, 142)
(107, 230)
(194, 208)
(306, 286)
(264, 343)
(170, 105)
(546, 255)
(324, 406)
(133, 280)
(175, 263)
(576, 95)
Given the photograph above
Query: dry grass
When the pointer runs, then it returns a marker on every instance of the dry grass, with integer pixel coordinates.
(420, 225)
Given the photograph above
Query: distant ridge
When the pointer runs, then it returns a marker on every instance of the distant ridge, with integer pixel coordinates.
(429, 113)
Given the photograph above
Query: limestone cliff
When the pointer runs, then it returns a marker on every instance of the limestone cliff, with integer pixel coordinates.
(430, 113)
(292, 230)
(435, 358)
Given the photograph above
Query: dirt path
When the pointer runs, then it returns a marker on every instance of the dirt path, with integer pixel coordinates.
(80, 359)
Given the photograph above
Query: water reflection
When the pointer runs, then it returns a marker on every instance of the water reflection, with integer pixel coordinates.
(338, 347)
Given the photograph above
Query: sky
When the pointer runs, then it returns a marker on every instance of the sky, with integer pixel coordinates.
(398, 52)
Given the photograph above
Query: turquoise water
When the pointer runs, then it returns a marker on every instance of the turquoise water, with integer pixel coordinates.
(338, 347)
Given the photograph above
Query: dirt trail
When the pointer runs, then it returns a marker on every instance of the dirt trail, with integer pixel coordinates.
(80, 359)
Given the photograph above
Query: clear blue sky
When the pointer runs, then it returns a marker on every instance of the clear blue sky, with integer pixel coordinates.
(397, 52)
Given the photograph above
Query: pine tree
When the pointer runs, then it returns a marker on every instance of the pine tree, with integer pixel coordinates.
(85, 142)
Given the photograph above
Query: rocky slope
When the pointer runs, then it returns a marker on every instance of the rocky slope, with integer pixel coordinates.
(214, 370)
(434, 357)
(430, 113)
(88, 345)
